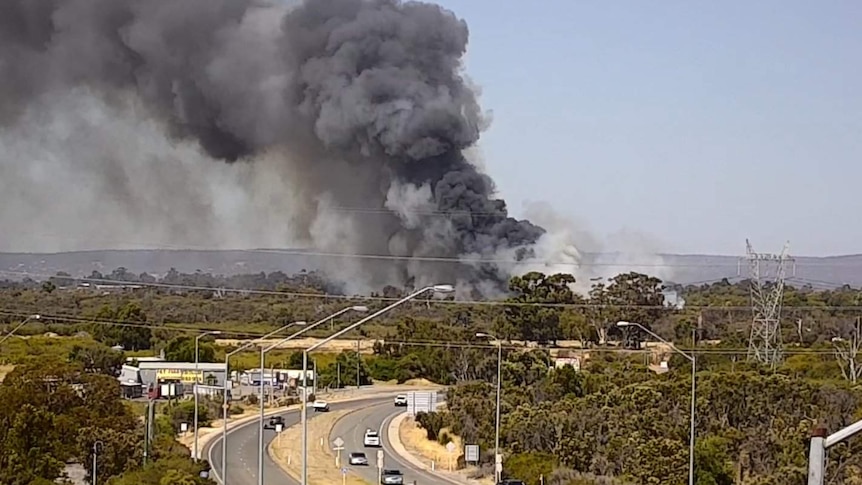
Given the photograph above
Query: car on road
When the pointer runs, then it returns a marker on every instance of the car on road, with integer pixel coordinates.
(372, 438)
(391, 477)
(401, 400)
(273, 422)
(509, 481)
(358, 458)
(320, 406)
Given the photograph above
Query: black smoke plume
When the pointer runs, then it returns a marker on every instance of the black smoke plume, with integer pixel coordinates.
(362, 103)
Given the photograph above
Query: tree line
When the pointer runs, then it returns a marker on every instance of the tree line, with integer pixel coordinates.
(53, 411)
(612, 421)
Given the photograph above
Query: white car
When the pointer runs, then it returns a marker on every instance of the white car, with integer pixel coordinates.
(401, 400)
(372, 438)
(320, 406)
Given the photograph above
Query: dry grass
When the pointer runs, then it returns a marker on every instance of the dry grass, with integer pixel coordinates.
(416, 442)
(5, 369)
(287, 452)
(423, 383)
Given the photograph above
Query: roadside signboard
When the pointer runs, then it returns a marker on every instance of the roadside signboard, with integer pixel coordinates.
(471, 453)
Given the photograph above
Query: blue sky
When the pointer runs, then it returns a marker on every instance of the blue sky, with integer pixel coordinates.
(694, 123)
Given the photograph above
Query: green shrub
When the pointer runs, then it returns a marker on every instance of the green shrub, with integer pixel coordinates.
(432, 423)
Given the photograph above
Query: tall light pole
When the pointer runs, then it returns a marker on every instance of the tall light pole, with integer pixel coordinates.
(18, 327)
(498, 459)
(304, 409)
(197, 381)
(263, 351)
(96, 447)
(691, 358)
(224, 402)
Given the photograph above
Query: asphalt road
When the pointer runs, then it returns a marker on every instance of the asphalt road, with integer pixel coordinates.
(352, 428)
(242, 447)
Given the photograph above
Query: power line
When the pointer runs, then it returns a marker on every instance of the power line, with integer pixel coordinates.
(585, 262)
(698, 350)
(87, 321)
(467, 260)
(417, 343)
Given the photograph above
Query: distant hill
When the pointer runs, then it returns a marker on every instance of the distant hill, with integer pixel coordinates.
(819, 272)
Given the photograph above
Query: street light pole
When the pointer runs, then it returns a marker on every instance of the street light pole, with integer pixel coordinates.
(224, 400)
(96, 446)
(18, 327)
(304, 409)
(264, 350)
(197, 381)
(498, 460)
(691, 358)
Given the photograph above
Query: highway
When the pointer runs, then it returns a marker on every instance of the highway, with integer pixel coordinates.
(243, 447)
(352, 428)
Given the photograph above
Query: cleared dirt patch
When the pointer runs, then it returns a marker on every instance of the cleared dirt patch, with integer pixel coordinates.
(5, 369)
(366, 346)
(287, 452)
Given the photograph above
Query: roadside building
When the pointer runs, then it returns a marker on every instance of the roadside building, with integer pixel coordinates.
(179, 377)
(130, 382)
(292, 378)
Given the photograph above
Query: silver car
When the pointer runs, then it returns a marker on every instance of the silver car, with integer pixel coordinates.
(392, 477)
(358, 458)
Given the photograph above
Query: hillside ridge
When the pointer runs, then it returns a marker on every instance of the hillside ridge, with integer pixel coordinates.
(820, 272)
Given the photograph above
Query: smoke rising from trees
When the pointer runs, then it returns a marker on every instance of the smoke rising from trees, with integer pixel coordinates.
(242, 123)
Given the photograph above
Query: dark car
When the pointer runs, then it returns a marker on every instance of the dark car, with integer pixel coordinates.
(273, 421)
(391, 477)
(509, 481)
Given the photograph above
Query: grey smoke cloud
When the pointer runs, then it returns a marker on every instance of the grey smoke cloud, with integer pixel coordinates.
(248, 123)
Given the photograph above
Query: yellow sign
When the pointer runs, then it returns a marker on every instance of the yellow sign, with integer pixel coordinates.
(189, 376)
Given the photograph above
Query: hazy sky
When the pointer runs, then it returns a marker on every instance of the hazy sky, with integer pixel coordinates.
(696, 123)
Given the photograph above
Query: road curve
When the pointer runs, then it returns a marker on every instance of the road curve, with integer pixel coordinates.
(242, 442)
(351, 428)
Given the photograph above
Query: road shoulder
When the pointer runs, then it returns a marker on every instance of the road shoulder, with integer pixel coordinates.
(207, 436)
(434, 465)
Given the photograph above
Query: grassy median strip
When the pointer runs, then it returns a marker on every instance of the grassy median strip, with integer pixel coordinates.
(286, 450)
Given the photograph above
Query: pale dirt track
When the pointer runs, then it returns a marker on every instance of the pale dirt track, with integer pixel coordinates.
(365, 346)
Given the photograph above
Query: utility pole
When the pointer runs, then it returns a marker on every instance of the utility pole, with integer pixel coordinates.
(358, 363)
(148, 422)
(96, 447)
(766, 281)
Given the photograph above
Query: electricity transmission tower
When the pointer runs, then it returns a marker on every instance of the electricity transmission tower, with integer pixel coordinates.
(766, 278)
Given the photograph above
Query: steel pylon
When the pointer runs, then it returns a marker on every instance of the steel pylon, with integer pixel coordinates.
(766, 279)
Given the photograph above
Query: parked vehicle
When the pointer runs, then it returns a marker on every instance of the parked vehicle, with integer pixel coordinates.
(358, 458)
(401, 400)
(372, 438)
(509, 481)
(392, 477)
